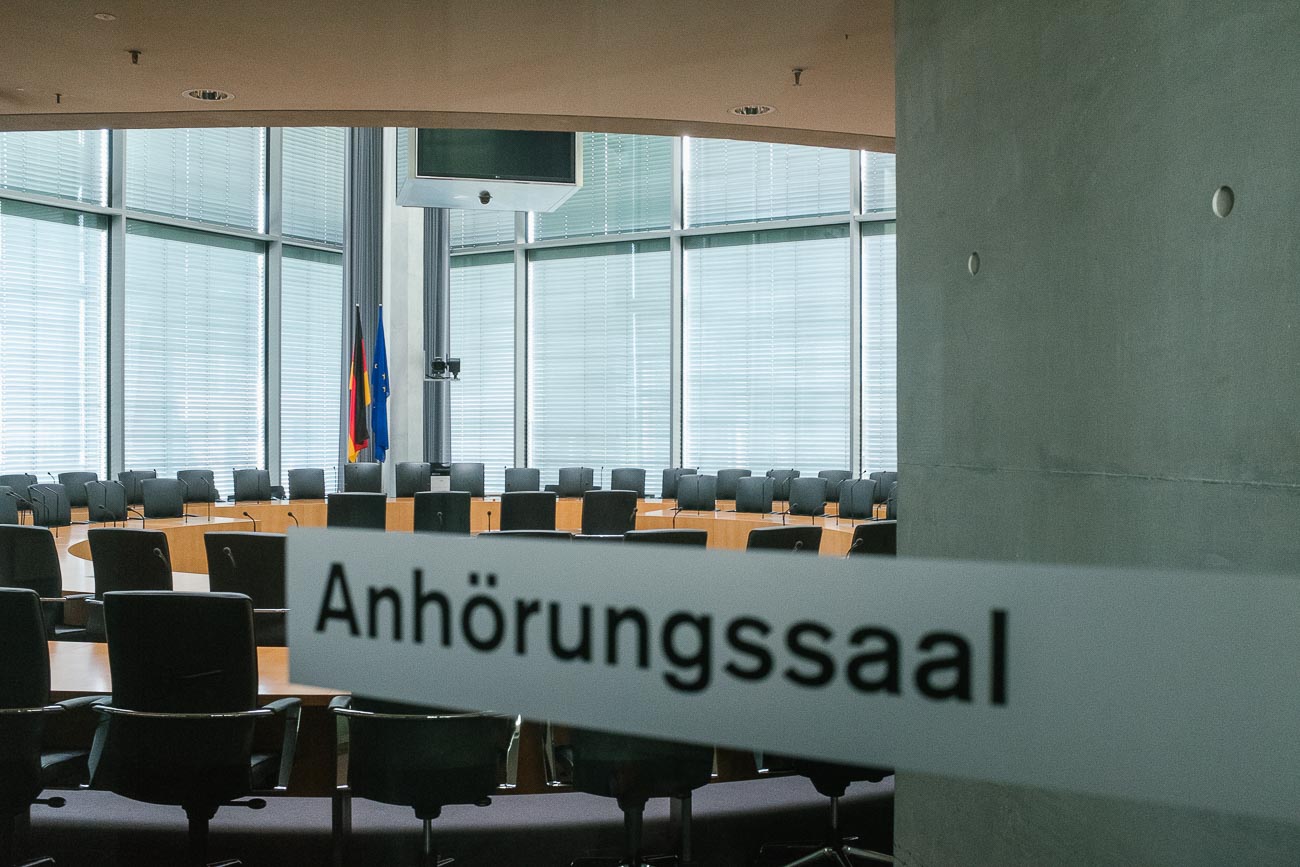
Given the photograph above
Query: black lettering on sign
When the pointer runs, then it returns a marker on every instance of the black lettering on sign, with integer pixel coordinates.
(825, 665)
(338, 578)
(700, 660)
(883, 661)
(958, 663)
(763, 665)
(436, 597)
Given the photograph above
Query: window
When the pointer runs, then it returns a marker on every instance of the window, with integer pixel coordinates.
(208, 175)
(67, 164)
(767, 350)
(311, 366)
(626, 187)
(599, 356)
(481, 228)
(53, 277)
(877, 182)
(742, 181)
(483, 338)
(879, 348)
(312, 183)
(195, 360)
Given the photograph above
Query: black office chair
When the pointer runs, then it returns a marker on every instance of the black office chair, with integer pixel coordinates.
(307, 483)
(25, 770)
(671, 475)
(633, 770)
(106, 502)
(442, 512)
(200, 486)
(575, 481)
(125, 559)
(727, 480)
(467, 477)
(522, 479)
(891, 503)
(363, 478)
(877, 537)
(414, 757)
(808, 497)
(252, 484)
(131, 480)
(528, 510)
(884, 479)
(412, 477)
(18, 483)
(363, 510)
(834, 478)
(831, 780)
(163, 498)
(29, 560)
(803, 537)
(50, 506)
(527, 534)
(698, 538)
(781, 483)
(697, 493)
(75, 486)
(608, 513)
(8, 505)
(754, 494)
(252, 564)
(180, 724)
(628, 479)
(857, 496)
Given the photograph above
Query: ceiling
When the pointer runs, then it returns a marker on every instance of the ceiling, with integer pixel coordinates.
(663, 66)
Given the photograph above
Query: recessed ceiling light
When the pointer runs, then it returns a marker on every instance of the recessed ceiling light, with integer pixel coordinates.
(752, 110)
(203, 94)
(105, 16)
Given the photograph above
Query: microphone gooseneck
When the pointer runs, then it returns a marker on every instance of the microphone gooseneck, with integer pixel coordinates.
(295, 519)
(489, 529)
(251, 518)
(230, 556)
(440, 522)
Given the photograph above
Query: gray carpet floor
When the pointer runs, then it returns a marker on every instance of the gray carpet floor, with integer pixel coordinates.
(731, 821)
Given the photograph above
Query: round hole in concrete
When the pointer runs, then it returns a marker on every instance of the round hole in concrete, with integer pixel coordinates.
(1223, 201)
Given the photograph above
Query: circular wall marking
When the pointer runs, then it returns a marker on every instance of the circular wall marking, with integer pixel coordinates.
(973, 264)
(1223, 201)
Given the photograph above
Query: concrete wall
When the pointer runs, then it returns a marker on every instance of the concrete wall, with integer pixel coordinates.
(1120, 381)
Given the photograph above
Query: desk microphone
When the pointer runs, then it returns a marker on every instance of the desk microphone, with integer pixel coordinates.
(21, 503)
(600, 483)
(440, 522)
(157, 552)
(295, 519)
(207, 494)
(798, 545)
(52, 476)
(139, 514)
(251, 518)
(230, 557)
(489, 529)
(857, 543)
(676, 512)
(185, 515)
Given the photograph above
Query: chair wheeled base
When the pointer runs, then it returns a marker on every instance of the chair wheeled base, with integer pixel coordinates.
(836, 850)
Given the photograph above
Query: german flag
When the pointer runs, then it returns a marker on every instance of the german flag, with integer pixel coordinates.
(358, 392)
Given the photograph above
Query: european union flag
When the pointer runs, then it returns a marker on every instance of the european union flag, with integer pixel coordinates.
(379, 388)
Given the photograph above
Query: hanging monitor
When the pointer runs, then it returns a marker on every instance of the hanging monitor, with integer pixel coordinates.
(488, 169)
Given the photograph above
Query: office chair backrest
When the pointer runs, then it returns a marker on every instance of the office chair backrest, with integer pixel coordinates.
(24, 683)
(412, 477)
(523, 479)
(75, 486)
(608, 513)
(248, 563)
(528, 510)
(754, 494)
(131, 480)
(50, 506)
(808, 496)
(727, 480)
(467, 477)
(29, 560)
(252, 484)
(781, 483)
(856, 498)
(129, 559)
(422, 757)
(527, 534)
(876, 537)
(634, 769)
(367, 511)
(891, 503)
(163, 498)
(801, 538)
(697, 493)
(575, 481)
(18, 482)
(200, 486)
(834, 478)
(628, 479)
(442, 512)
(8, 505)
(307, 483)
(363, 478)
(883, 480)
(105, 501)
(699, 538)
(671, 476)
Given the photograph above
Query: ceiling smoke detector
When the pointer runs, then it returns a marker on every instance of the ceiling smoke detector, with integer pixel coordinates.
(203, 94)
(752, 110)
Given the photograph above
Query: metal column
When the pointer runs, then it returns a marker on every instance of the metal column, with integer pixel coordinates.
(437, 334)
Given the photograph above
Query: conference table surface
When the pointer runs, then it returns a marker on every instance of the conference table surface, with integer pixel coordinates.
(78, 668)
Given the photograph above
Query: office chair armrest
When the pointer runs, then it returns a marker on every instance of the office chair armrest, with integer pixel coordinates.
(340, 702)
(557, 770)
(292, 710)
(83, 701)
(110, 710)
(31, 711)
(512, 757)
(271, 611)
